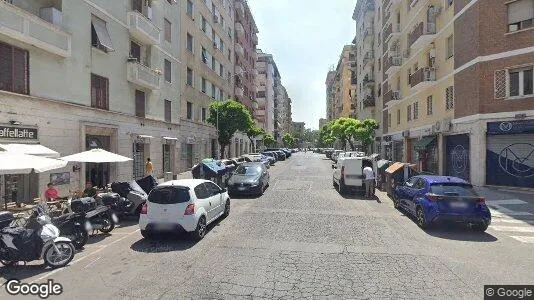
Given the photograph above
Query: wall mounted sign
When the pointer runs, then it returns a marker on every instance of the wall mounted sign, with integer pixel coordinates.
(12, 132)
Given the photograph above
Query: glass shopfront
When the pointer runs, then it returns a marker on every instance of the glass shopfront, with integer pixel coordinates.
(97, 173)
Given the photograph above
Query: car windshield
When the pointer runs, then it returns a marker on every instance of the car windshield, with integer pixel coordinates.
(169, 195)
(453, 189)
(248, 170)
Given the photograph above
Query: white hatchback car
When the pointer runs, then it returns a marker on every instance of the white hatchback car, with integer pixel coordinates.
(183, 205)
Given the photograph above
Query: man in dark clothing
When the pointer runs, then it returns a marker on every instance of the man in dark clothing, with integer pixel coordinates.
(90, 190)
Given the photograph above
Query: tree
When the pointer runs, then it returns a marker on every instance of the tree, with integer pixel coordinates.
(339, 131)
(325, 138)
(253, 132)
(268, 140)
(363, 131)
(229, 116)
(288, 139)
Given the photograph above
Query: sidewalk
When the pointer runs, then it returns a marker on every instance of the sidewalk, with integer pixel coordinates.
(506, 202)
(183, 175)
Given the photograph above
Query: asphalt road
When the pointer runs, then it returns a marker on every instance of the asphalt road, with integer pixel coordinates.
(300, 240)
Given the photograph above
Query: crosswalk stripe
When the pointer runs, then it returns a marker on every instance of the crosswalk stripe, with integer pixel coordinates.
(512, 221)
(502, 212)
(524, 239)
(513, 228)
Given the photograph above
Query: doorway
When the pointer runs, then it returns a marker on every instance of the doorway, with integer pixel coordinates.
(97, 173)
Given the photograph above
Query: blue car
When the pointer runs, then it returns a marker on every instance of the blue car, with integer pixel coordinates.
(431, 199)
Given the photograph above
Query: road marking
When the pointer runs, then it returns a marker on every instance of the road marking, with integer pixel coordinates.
(524, 239)
(513, 221)
(513, 228)
(506, 202)
(498, 210)
(98, 258)
(83, 257)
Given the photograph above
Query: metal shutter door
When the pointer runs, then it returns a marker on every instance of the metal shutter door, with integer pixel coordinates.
(510, 160)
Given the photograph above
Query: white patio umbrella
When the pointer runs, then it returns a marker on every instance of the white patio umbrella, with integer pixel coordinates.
(17, 163)
(96, 156)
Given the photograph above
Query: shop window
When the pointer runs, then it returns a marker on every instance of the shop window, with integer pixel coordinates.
(99, 92)
(14, 69)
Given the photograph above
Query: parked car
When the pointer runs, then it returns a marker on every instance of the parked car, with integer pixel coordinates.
(249, 178)
(432, 199)
(335, 155)
(183, 205)
(272, 155)
(348, 173)
(286, 151)
(282, 155)
(256, 157)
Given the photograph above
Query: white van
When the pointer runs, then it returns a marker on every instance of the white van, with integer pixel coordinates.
(348, 173)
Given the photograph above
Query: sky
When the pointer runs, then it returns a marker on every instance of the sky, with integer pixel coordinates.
(306, 38)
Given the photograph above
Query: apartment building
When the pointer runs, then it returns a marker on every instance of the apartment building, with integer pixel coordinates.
(330, 95)
(322, 122)
(282, 111)
(297, 128)
(265, 84)
(246, 40)
(92, 74)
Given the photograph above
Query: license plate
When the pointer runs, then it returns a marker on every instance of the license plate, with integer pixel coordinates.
(114, 218)
(241, 188)
(458, 205)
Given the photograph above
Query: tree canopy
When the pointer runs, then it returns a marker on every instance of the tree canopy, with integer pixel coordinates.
(254, 131)
(289, 140)
(348, 130)
(268, 140)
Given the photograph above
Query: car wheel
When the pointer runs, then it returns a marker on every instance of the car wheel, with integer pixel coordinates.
(200, 231)
(226, 209)
(420, 218)
(147, 235)
(396, 202)
(480, 227)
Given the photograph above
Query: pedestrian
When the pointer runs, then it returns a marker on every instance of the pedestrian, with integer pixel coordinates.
(369, 176)
(149, 168)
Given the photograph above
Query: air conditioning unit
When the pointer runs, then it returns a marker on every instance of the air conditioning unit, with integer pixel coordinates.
(406, 133)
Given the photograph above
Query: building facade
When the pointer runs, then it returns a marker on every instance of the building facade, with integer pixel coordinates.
(330, 95)
(322, 122)
(282, 111)
(265, 84)
(297, 128)
(246, 40)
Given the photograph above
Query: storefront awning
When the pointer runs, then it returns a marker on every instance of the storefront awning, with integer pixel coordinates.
(169, 138)
(423, 143)
(30, 149)
(394, 167)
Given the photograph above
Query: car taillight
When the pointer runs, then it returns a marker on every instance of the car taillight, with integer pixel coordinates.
(433, 197)
(343, 171)
(144, 209)
(481, 200)
(190, 210)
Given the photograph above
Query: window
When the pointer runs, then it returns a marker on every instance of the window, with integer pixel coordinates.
(167, 70)
(449, 98)
(520, 15)
(189, 110)
(429, 106)
(520, 82)
(221, 45)
(189, 43)
(140, 103)
(261, 94)
(213, 64)
(408, 73)
(203, 24)
(212, 91)
(389, 120)
(416, 110)
(190, 77)
(449, 3)
(135, 51)
(203, 85)
(100, 37)
(204, 56)
(201, 192)
(221, 70)
(168, 106)
(379, 64)
(14, 69)
(450, 46)
(99, 92)
(398, 116)
(409, 113)
(204, 115)
(167, 30)
(189, 8)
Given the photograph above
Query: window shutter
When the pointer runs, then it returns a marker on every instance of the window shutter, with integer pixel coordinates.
(6, 65)
(499, 84)
(520, 11)
(449, 98)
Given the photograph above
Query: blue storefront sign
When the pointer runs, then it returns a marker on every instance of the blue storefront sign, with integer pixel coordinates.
(511, 127)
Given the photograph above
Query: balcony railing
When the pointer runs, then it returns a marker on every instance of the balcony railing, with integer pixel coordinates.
(28, 28)
(143, 29)
(369, 101)
(143, 76)
(392, 64)
(423, 33)
(387, 32)
(239, 29)
(423, 78)
(392, 95)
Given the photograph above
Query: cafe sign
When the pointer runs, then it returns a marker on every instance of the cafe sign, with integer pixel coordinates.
(11, 132)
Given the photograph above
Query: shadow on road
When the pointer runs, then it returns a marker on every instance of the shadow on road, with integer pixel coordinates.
(360, 196)
(459, 232)
(22, 271)
(163, 243)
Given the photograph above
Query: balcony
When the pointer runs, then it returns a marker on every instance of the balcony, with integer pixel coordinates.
(423, 34)
(395, 31)
(239, 50)
(143, 76)
(143, 29)
(369, 81)
(392, 64)
(255, 39)
(25, 27)
(423, 78)
(239, 91)
(369, 57)
(239, 29)
(392, 95)
(240, 9)
(369, 101)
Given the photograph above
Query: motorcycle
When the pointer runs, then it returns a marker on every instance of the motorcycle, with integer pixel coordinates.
(101, 217)
(74, 226)
(38, 239)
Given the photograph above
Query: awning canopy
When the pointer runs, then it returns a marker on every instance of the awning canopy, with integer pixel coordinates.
(96, 156)
(394, 167)
(423, 143)
(19, 163)
(30, 149)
